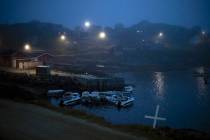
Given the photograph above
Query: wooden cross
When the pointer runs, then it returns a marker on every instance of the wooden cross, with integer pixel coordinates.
(155, 118)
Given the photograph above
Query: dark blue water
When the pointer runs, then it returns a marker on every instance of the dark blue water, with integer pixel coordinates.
(183, 98)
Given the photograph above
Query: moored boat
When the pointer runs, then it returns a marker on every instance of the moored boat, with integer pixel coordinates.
(128, 88)
(120, 100)
(70, 98)
(91, 97)
(125, 101)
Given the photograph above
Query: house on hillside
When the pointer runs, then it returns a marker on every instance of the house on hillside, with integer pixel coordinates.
(30, 60)
(23, 60)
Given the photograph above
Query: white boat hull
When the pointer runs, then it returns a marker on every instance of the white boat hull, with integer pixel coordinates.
(71, 102)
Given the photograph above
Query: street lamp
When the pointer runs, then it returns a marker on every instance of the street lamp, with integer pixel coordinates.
(27, 47)
(102, 35)
(160, 34)
(203, 33)
(87, 24)
(62, 37)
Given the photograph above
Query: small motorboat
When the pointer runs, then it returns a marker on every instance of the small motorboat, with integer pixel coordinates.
(128, 89)
(94, 95)
(90, 97)
(120, 100)
(70, 98)
(125, 101)
(67, 95)
(105, 96)
(85, 94)
(85, 98)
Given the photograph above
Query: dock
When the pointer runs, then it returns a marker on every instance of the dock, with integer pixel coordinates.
(90, 82)
(67, 81)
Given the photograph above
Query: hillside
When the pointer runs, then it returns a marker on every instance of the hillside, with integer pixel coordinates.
(139, 44)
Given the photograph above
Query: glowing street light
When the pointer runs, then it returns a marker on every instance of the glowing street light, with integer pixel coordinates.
(139, 31)
(27, 47)
(63, 37)
(102, 35)
(160, 34)
(203, 33)
(87, 24)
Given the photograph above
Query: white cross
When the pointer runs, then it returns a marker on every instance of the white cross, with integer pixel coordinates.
(155, 118)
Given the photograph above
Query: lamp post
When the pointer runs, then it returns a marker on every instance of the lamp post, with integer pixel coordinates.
(87, 24)
(63, 37)
(27, 47)
(160, 34)
(102, 35)
(203, 33)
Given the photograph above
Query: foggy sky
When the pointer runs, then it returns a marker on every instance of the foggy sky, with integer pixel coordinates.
(107, 12)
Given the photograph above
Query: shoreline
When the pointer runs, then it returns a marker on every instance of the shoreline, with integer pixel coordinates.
(37, 123)
(138, 130)
(25, 92)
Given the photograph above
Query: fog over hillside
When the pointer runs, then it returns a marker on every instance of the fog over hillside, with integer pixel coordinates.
(142, 43)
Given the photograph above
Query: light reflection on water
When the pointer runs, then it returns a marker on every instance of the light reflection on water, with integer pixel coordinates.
(159, 84)
(201, 86)
(202, 91)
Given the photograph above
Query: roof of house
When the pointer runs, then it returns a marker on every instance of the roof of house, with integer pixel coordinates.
(33, 54)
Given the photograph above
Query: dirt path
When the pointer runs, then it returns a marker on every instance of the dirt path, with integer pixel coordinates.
(20, 121)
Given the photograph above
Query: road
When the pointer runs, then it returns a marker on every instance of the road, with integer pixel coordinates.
(19, 121)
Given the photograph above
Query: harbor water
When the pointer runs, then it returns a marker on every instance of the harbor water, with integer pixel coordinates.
(184, 100)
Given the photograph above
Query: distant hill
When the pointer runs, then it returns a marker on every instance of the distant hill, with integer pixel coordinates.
(145, 35)
(140, 43)
(39, 35)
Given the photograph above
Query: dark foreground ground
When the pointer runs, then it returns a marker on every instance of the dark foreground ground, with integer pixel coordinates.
(20, 121)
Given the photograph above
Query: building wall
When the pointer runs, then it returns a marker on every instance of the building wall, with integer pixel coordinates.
(23, 62)
(31, 64)
(14, 63)
(26, 64)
